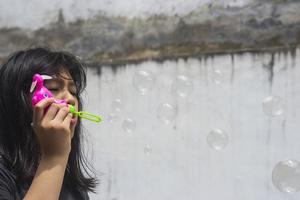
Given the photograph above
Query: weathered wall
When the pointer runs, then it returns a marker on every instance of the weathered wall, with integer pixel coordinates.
(175, 161)
(249, 46)
(115, 32)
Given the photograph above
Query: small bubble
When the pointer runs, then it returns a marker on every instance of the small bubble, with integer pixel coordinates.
(112, 117)
(107, 78)
(182, 86)
(116, 105)
(143, 81)
(166, 113)
(272, 106)
(147, 150)
(129, 125)
(218, 77)
(217, 139)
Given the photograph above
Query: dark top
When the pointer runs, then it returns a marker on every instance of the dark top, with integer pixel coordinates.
(10, 191)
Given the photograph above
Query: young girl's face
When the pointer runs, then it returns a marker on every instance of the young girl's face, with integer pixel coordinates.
(63, 87)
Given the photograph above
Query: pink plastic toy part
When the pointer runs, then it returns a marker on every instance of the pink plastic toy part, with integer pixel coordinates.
(40, 91)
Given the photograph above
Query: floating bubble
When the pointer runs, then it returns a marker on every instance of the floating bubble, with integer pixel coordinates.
(272, 106)
(166, 113)
(116, 105)
(112, 117)
(107, 78)
(143, 81)
(147, 150)
(217, 139)
(218, 76)
(286, 176)
(182, 86)
(129, 125)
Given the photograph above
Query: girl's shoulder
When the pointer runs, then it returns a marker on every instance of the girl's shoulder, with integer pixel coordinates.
(5, 173)
(7, 182)
(9, 189)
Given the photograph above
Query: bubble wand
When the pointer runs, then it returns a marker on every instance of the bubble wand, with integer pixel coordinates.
(40, 92)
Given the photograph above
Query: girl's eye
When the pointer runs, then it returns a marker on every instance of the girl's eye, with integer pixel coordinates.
(74, 93)
(53, 89)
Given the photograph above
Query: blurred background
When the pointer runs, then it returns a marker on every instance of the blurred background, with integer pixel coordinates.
(200, 98)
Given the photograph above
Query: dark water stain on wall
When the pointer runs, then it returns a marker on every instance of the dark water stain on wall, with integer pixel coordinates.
(115, 41)
(270, 68)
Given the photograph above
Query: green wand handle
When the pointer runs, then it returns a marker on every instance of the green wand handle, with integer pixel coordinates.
(85, 115)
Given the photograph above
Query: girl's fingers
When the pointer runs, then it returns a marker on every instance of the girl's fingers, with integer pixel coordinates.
(39, 109)
(67, 120)
(61, 114)
(57, 113)
(52, 111)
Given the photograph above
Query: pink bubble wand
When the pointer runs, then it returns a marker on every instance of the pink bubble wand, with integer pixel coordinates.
(40, 92)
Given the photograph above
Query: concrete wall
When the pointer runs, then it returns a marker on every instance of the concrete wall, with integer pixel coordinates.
(11, 11)
(174, 161)
(114, 32)
(231, 54)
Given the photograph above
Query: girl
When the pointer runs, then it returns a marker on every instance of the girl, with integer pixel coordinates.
(40, 150)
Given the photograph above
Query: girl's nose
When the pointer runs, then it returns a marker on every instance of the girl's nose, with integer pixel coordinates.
(69, 98)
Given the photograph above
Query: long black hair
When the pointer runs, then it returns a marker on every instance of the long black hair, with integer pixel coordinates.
(18, 144)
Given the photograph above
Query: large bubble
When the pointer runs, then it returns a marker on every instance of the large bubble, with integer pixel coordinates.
(286, 176)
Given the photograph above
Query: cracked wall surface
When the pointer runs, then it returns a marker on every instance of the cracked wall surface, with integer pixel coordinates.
(209, 27)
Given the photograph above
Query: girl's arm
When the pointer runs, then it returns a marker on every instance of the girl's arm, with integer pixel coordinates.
(48, 179)
(53, 132)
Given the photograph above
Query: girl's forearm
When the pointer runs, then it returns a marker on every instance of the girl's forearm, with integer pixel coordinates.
(48, 179)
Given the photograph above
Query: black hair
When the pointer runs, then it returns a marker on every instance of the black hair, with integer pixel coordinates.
(18, 143)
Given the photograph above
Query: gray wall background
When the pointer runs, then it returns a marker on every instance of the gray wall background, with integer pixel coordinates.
(181, 164)
(253, 44)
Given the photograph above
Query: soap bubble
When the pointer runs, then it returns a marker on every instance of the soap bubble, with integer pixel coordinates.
(112, 117)
(166, 113)
(147, 150)
(286, 176)
(182, 85)
(116, 105)
(107, 78)
(217, 139)
(143, 81)
(272, 106)
(129, 125)
(217, 76)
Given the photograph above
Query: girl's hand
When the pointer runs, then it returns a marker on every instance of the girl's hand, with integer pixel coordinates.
(52, 128)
